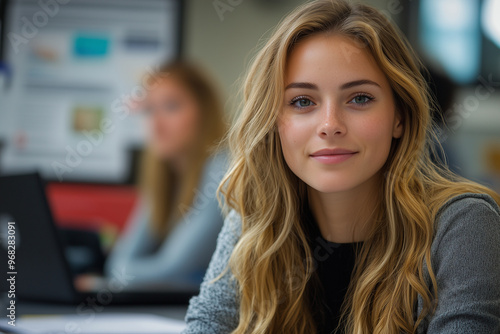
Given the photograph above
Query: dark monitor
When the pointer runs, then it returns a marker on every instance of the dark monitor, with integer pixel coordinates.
(29, 239)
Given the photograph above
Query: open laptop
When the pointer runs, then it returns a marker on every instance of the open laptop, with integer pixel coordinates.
(40, 267)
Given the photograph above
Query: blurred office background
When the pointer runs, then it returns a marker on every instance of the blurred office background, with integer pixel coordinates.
(71, 71)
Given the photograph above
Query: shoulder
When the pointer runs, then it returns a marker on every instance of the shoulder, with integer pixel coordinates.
(468, 209)
(217, 161)
(212, 173)
(231, 231)
(215, 166)
(468, 200)
(470, 219)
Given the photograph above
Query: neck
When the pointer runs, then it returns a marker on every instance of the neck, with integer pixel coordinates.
(346, 217)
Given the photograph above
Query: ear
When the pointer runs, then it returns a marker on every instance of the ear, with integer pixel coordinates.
(397, 129)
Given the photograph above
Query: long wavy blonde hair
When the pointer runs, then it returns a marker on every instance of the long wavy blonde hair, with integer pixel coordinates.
(272, 262)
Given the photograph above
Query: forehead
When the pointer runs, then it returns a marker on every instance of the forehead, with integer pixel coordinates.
(332, 58)
(164, 85)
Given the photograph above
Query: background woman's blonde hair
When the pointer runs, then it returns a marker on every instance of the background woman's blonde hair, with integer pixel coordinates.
(272, 261)
(156, 177)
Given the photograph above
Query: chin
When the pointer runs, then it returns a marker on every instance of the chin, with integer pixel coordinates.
(331, 186)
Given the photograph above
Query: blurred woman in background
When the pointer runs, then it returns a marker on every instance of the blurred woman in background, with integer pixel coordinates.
(172, 231)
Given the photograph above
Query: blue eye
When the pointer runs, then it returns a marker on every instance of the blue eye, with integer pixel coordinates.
(301, 102)
(361, 99)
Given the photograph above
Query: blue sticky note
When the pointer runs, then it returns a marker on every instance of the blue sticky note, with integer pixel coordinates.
(90, 46)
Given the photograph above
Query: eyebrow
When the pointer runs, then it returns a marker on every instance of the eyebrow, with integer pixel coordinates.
(350, 84)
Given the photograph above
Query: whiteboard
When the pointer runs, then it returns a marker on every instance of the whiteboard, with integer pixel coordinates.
(76, 64)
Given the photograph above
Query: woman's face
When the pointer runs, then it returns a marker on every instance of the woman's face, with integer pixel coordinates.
(338, 117)
(173, 119)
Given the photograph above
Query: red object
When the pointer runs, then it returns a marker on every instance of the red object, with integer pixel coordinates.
(91, 206)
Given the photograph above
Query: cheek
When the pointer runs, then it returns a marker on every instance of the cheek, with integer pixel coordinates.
(294, 136)
(158, 125)
(186, 123)
(376, 134)
(285, 138)
(192, 119)
(159, 132)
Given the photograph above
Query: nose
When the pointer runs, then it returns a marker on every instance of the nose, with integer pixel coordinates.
(331, 122)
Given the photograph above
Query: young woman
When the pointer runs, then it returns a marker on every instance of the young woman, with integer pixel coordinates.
(340, 220)
(173, 232)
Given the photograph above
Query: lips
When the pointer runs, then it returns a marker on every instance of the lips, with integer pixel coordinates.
(333, 156)
(334, 151)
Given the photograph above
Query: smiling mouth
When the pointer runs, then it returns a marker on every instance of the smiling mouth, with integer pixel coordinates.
(333, 156)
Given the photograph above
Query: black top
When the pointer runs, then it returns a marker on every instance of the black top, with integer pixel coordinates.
(334, 267)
